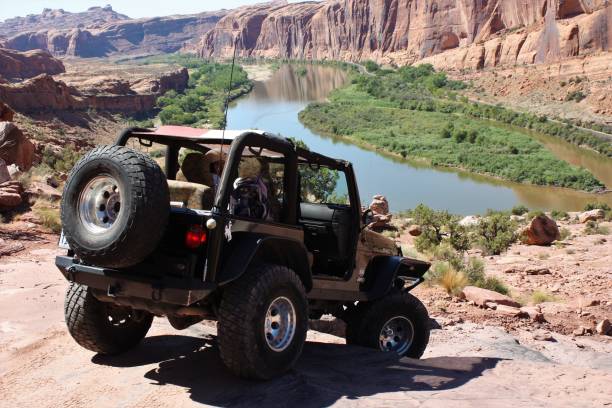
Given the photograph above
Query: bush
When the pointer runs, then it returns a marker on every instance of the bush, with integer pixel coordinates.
(475, 270)
(593, 228)
(539, 296)
(559, 215)
(576, 96)
(519, 210)
(446, 253)
(452, 280)
(495, 233)
(371, 66)
(494, 284)
(439, 226)
(564, 234)
(49, 215)
(597, 206)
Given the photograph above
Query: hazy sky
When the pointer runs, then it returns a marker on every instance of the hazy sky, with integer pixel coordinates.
(132, 8)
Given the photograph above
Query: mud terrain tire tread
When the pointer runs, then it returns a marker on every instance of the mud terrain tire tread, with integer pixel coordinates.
(88, 325)
(150, 200)
(238, 331)
(366, 327)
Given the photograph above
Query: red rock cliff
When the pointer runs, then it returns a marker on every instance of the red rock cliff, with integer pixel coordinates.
(479, 32)
(18, 65)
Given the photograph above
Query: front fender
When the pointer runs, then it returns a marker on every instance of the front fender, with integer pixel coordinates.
(248, 250)
(383, 271)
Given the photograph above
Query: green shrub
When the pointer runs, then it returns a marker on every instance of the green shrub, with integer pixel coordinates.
(371, 66)
(534, 213)
(438, 226)
(597, 206)
(495, 233)
(559, 215)
(564, 234)
(475, 270)
(519, 210)
(538, 296)
(576, 96)
(494, 284)
(594, 228)
(447, 254)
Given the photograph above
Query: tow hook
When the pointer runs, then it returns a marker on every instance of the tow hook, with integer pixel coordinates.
(70, 273)
(113, 290)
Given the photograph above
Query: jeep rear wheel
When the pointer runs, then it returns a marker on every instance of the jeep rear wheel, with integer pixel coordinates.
(263, 320)
(115, 207)
(103, 327)
(398, 323)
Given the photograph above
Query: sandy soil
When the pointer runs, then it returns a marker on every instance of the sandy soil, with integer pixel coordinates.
(467, 364)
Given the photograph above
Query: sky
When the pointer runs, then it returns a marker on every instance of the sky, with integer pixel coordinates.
(132, 8)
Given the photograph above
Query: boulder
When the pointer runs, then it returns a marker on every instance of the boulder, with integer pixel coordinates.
(15, 147)
(10, 195)
(593, 215)
(604, 327)
(37, 189)
(542, 335)
(481, 296)
(509, 311)
(5, 175)
(380, 213)
(6, 113)
(534, 313)
(541, 231)
(415, 230)
(469, 221)
(537, 271)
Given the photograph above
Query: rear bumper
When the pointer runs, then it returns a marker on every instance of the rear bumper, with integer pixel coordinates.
(184, 292)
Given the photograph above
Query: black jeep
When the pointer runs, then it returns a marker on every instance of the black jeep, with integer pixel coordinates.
(276, 238)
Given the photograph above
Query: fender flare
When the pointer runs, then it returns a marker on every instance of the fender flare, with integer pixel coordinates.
(382, 272)
(251, 250)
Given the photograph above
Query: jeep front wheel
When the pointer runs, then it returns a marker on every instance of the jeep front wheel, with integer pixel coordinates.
(103, 327)
(263, 320)
(397, 323)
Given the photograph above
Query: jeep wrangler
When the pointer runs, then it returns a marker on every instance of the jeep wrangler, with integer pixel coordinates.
(277, 238)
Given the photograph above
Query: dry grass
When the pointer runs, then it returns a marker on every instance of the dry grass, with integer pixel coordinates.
(539, 296)
(49, 215)
(451, 280)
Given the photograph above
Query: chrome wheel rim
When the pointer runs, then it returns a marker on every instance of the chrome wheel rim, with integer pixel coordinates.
(280, 324)
(100, 204)
(397, 335)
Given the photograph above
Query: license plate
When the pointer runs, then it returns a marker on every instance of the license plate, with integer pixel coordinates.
(62, 242)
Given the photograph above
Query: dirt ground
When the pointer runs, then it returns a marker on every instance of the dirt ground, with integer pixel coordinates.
(470, 362)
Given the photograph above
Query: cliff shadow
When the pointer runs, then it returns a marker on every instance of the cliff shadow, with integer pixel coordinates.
(324, 374)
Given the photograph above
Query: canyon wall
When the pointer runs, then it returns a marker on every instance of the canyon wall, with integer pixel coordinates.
(17, 65)
(473, 33)
(47, 94)
(102, 32)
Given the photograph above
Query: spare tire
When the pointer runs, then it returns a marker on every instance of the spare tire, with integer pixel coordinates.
(115, 207)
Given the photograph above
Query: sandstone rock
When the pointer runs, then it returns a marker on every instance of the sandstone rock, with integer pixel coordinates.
(21, 65)
(15, 147)
(381, 217)
(481, 296)
(4, 172)
(537, 271)
(534, 313)
(9, 248)
(37, 189)
(451, 35)
(541, 231)
(6, 113)
(52, 181)
(542, 335)
(415, 230)
(509, 311)
(604, 327)
(593, 215)
(9, 200)
(99, 32)
(517, 218)
(581, 331)
(514, 269)
(469, 221)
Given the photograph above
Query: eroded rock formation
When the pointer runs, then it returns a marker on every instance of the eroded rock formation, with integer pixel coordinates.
(47, 94)
(100, 32)
(451, 33)
(21, 65)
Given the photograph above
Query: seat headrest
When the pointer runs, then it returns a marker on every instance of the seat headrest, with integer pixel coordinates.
(195, 168)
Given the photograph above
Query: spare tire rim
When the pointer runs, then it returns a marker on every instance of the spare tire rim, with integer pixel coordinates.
(397, 335)
(280, 324)
(99, 204)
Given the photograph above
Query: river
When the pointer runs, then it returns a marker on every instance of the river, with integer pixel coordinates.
(274, 104)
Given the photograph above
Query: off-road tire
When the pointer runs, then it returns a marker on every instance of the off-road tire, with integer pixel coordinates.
(89, 325)
(365, 324)
(143, 214)
(242, 342)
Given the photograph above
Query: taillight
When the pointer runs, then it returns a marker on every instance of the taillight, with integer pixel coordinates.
(195, 237)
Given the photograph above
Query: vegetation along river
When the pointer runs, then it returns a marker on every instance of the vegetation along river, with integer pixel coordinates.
(274, 104)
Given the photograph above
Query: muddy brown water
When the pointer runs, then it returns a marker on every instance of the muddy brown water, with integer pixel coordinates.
(274, 104)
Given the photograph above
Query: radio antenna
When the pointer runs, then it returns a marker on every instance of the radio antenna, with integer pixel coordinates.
(227, 99)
